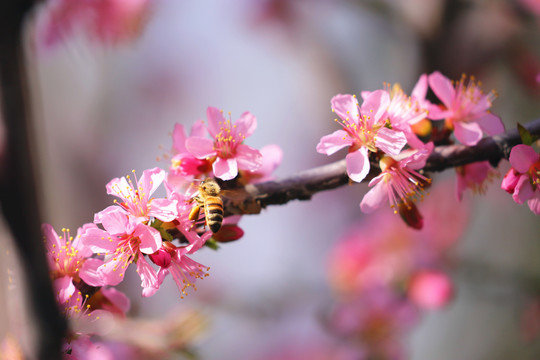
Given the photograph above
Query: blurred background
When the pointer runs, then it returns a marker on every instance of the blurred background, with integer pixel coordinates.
(104, 108)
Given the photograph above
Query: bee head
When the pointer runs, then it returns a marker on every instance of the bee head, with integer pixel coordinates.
(210, 187)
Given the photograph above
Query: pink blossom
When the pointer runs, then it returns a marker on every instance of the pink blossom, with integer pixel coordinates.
(184, 165)
(108, 21)
(363, 130)
(398, 182)
(473, 176)
(123, 241)
(226, 148)
(431, 289)
(404, 111)
(136, 200)
(523, 179)
(467, 108)
(67, 256)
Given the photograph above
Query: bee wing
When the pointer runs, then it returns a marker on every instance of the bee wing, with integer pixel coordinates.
(193, 189)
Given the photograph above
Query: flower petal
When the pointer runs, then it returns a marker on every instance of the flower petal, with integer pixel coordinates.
(179, 138)
(89, 272)
(163, 209)
(114, 220)
(358, 164)
(346, 107)
(150, 180)
(419, 91)
(248, 158)
(523, 191)
(442, 87)
(490, 123)
(246, 124)
(375, 105)
(201, 148)
(467, 133)
(334, 142)
(534, 203)
(150, 238)
(225, 169)
(149, 278)
(375, 197)
(390, 141)
(215, 120)
(522, 157)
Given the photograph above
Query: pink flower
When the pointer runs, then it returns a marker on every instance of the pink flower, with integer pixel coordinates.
(398, 183)
(473, 176)
(431, 289)
(184, 165)
(73, 305)
(523, 180)
(136, 199)
(467, 109)
(404, 111)
(67, 256)
(108, 21)
(123, 241)
(363, 130)
(227, 148)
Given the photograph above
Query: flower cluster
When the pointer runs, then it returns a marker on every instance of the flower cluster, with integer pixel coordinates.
(156, 234)
(384, 277)
(394, 130)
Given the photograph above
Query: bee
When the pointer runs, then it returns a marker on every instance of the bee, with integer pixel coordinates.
(209, 198)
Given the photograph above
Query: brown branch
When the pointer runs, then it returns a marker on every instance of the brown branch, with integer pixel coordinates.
(302, 186)
(18, 190)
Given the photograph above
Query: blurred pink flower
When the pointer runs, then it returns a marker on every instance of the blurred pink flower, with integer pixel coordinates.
(532, 5)
(66, 255)
(430, 289)
(467, 109)
(398, 182)
(377, 322)
(363, 130)
(473, 176)
(108, 21)
(523, 179)
(226, 149)
(271, 159)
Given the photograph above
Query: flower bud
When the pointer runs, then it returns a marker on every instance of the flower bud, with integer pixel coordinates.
(164, 255)
(410, 214)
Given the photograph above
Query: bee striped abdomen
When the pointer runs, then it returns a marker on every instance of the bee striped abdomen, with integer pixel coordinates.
(213, 211)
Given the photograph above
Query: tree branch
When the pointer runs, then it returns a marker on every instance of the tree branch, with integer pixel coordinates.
(302, 186)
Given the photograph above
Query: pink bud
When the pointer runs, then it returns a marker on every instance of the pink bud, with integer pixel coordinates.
(164, 255)
(510, 181)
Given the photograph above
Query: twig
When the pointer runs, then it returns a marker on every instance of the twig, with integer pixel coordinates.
(302, 186)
